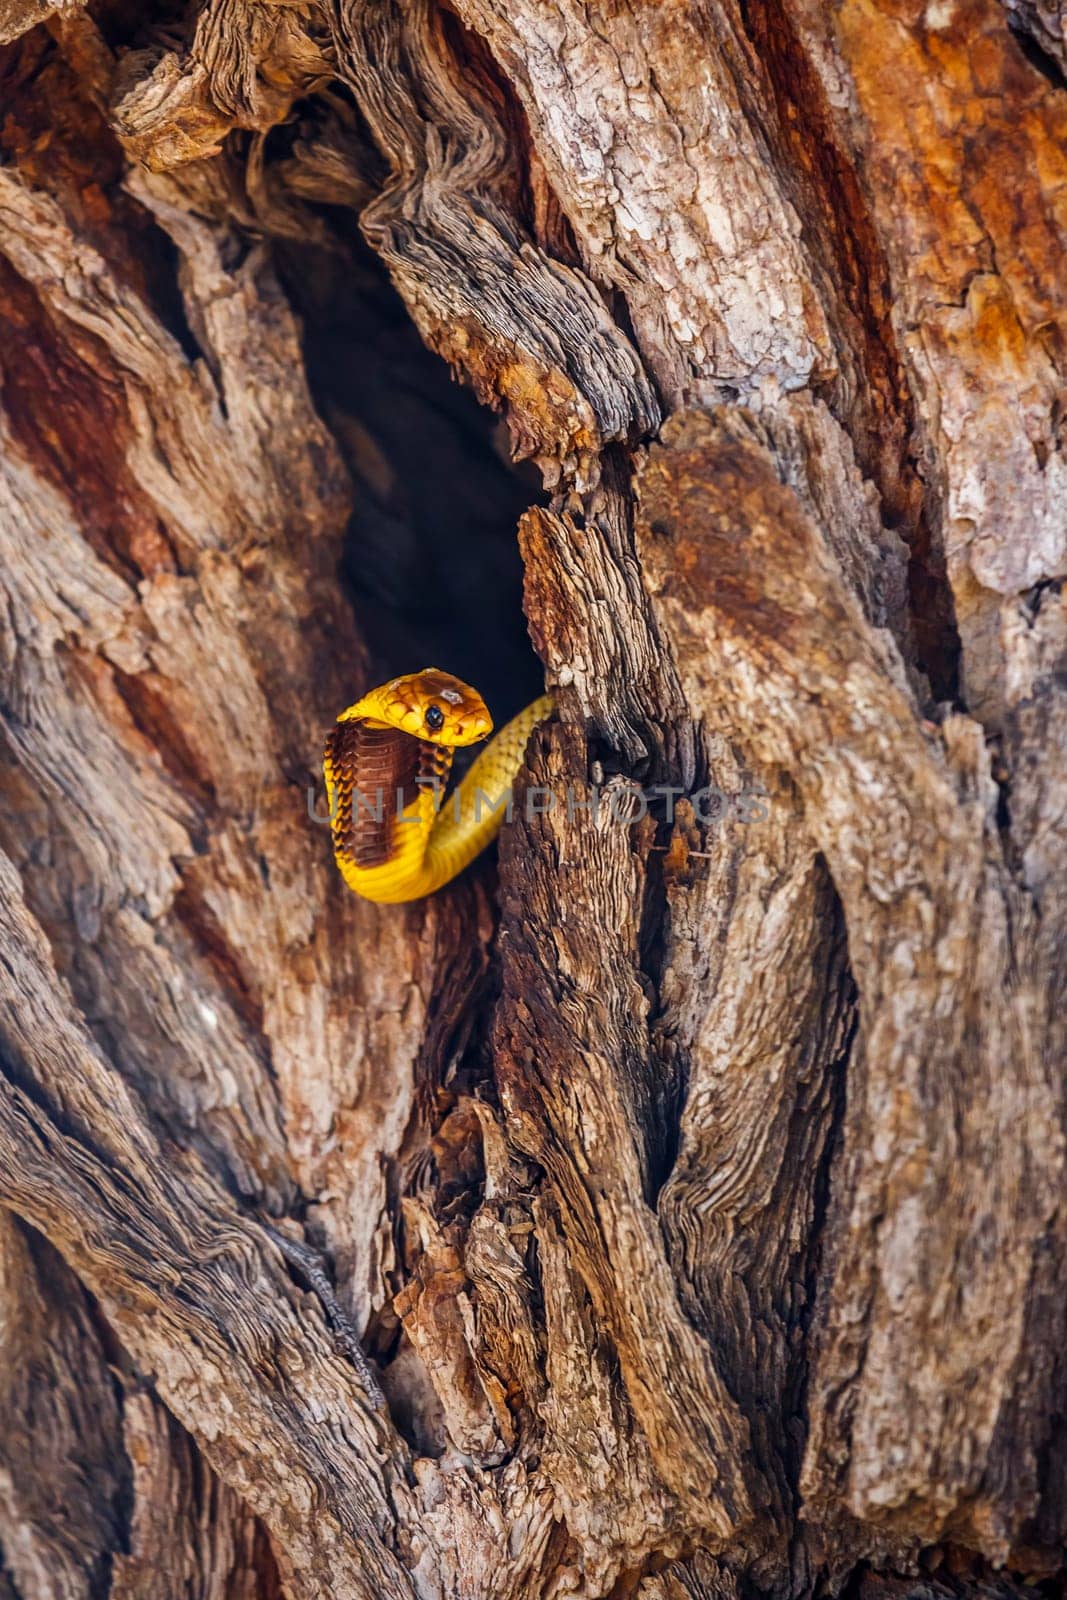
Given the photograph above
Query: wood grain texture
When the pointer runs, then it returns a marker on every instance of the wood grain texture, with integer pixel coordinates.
(671, 1210)
(951, 1063)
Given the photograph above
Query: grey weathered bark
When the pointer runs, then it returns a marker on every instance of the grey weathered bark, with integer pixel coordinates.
(693, 1179)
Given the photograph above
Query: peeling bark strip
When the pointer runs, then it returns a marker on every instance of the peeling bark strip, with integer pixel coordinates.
(694, 1186)
(528, 332)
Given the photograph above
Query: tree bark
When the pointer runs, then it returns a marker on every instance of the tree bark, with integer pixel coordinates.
(671, 1208)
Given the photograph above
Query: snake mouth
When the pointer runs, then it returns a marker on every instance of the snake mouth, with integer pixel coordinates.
(454, 737)
(478, 727)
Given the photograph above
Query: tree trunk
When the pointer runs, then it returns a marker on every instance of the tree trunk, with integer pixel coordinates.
(672, 1207)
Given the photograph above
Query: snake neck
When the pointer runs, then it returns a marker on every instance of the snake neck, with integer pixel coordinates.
(384, 787)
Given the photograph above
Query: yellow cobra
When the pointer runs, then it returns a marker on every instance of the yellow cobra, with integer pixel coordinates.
(396, 836)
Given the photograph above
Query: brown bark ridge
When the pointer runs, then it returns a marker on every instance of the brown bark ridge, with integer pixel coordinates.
(672, 1210)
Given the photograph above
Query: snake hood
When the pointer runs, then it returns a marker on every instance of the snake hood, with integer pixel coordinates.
(430, 705)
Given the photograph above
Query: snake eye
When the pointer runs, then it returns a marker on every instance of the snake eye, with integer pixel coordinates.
(435, 718)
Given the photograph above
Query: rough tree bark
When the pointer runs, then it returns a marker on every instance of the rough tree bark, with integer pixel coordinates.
(694, 1181)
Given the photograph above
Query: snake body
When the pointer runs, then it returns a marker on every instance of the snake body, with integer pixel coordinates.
(386, 764)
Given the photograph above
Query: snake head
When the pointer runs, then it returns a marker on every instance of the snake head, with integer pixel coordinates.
(430, 705)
